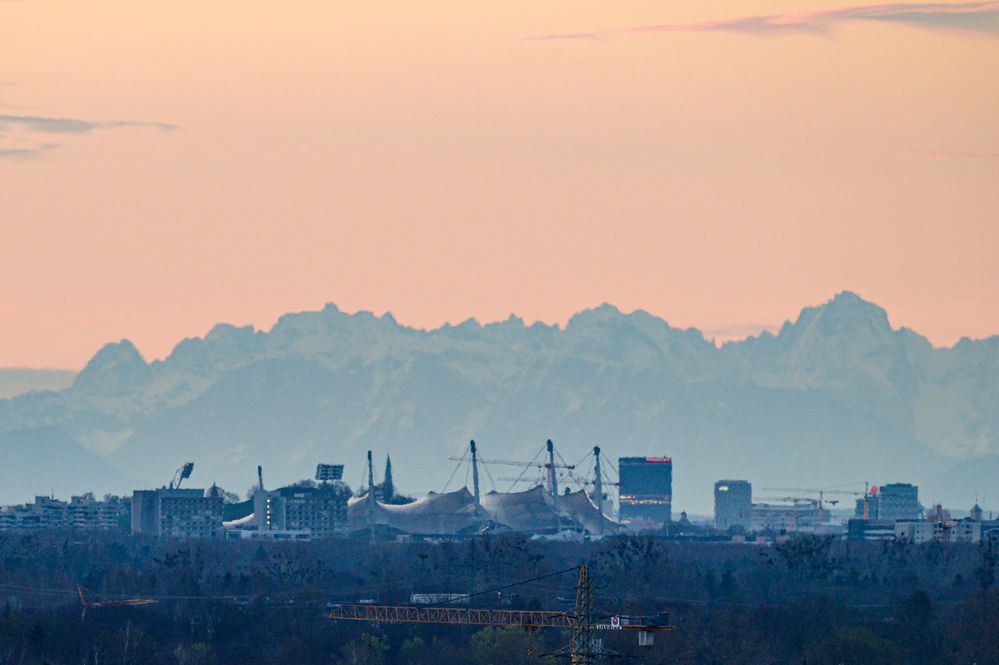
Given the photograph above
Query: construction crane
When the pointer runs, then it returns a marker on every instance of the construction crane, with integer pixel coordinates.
(88, 602)
(112, 602)
(505, 462)
(583, 648)
(599, 481)
(181, 473)
(822, 492)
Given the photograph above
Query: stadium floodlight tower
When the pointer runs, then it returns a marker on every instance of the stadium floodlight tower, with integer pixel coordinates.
(181, 473)
(327, 472)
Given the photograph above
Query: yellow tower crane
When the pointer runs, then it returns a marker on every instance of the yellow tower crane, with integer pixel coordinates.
(583, 648)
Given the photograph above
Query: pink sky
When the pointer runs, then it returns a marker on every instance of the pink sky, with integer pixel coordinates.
(718, 164)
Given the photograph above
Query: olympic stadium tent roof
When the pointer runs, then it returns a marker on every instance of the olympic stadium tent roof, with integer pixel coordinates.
(580, 509)
(533, 512)
(455, 513)
(529, 511)
(451, 513)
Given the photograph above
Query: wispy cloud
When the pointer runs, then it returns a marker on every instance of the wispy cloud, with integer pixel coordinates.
(25, 131)
(932, 153)
(969, 17)
(74, 126)
(582, 36)
(33, 152)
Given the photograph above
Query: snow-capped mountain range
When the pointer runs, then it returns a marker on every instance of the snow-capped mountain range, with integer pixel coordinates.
(834, 397)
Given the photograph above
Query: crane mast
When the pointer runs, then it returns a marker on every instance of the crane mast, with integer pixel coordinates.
(581, 645)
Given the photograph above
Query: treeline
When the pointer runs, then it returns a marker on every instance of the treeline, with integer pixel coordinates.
(809, 600)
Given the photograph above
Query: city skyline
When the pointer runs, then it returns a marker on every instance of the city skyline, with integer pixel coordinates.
(674, 325)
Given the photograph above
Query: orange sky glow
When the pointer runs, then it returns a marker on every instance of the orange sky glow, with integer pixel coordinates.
(167, 166)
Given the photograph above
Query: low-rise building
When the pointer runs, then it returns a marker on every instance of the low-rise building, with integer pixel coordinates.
(785, 517)
(914, 531)
(962, 531)
(870, 530)
(267, 534)
(86, 512)
(918, 532)
(81, 512)
(990, 530)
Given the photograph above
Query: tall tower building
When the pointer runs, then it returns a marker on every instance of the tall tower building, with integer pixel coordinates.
(733, 504)
(646, 494)
(899, 501)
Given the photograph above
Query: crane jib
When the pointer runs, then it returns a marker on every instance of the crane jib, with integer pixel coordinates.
(452, 615)
(475, 617)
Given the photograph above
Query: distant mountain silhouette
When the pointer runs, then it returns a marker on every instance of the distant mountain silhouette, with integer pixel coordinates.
(836, 396)
(19, 380)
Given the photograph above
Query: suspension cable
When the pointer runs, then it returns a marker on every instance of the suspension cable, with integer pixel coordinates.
(529, 465)
(454, 471)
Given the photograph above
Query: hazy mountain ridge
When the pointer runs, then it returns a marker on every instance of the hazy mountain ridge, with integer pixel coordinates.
(835, 396)
(19, 380)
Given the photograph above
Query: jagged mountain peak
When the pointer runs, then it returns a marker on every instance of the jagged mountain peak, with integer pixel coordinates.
(846, 312)
(515, 328)
(117, 367)
(122, 352)
(594, 316)
(225, 332)
(471, 323)
(512, 322)
(311, 332)
(607, 319)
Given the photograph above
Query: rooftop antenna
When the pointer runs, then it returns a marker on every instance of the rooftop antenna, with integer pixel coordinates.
(475, 471)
